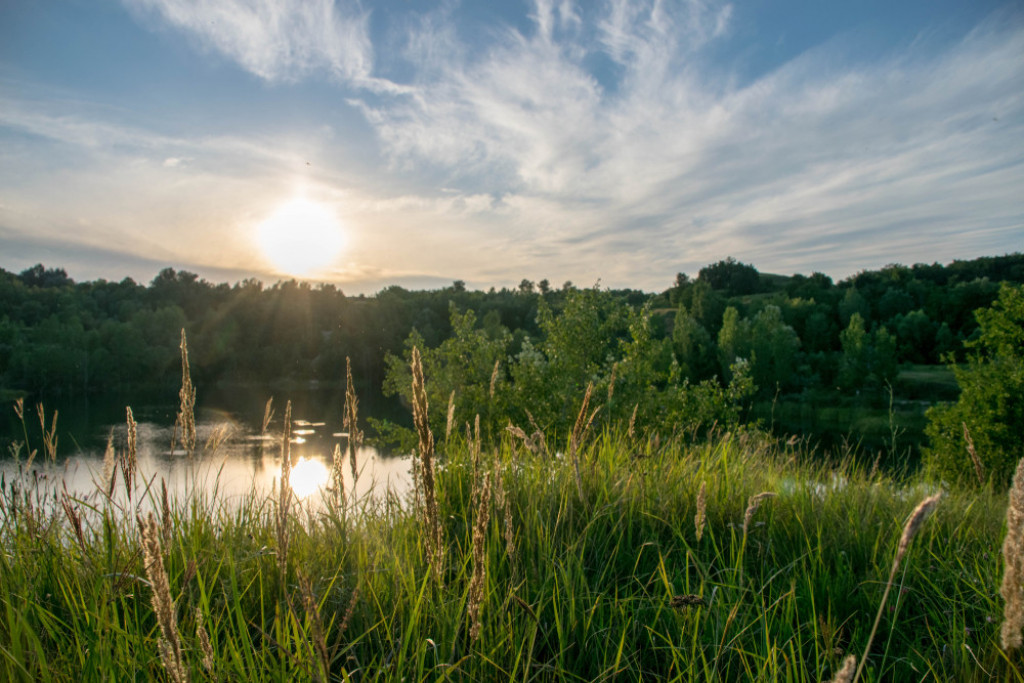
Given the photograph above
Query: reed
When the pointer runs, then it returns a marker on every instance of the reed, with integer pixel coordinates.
(350, 422)
(579, 431)
(186, 419)
(49, 435)
(435, 549)
(450, 418)
(129, 458)
(1012, 588)
(910, 529)
(205, 647)
(700, 518)
(979, 472)
(848, 670)
(163, 604)
(284, 501)
(477, 584)
(494, 378)
(268, 415)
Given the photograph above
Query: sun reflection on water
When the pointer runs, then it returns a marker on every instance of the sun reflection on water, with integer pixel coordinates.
(307, 477)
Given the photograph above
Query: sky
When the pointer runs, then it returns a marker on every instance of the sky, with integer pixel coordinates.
(417, 142)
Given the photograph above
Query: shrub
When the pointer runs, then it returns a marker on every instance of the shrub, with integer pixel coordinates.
(990, 410)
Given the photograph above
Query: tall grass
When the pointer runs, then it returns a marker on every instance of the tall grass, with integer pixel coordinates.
(658, 560)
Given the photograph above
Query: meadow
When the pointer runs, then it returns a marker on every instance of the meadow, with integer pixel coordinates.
(601, 553)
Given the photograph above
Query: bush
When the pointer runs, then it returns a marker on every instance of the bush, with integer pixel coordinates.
(991, 403)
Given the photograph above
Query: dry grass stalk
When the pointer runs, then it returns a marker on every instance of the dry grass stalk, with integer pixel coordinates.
(130, 457)
(1012, 588)
(753, 503)
(702, 502)
(504, 503)
(49, 436)
(478, 582)
(205, 648)
(978, 471)
(268, 415)
(426, 448)
(19, 408)
(312, 610)
(579, 431)
(450, 421)
(163, 605)
(494, 378)
(187, 395)
(845, 674)
(477, 439)
(218, 437)
(631, 432)
(74, 518)
(165, 512)
(350, 610)
(351, 419)
(535, 443)
(284, 501)
(31, 452)
(337, 477)
(611, 382)
(910, 529)
(109, 466)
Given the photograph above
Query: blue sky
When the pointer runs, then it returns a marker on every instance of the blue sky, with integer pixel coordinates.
(494, 141)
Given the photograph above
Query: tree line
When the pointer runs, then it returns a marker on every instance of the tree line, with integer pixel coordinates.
(794, 333)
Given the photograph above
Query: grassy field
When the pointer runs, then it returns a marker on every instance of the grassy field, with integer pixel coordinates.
(609, 557)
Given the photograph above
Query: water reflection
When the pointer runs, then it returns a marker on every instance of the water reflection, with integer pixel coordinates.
(308, 477)
(233, 460)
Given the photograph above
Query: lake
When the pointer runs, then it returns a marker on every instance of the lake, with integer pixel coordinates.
(243, 460)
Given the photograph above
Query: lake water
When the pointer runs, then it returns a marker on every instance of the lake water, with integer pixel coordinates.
(246, 459)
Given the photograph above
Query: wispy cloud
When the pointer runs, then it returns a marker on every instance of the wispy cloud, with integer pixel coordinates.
(277, 40)
(605, 140)
(673, 167)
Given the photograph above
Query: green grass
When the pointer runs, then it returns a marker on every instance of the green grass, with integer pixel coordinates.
(585, 594)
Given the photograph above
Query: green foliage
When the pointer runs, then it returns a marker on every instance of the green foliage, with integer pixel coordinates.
(62, 337)
(733, 277)
(773, 350)
(733, 339)
(853, 368)
(594, 339)
(991, 403)
(459, 369)
(693, 347)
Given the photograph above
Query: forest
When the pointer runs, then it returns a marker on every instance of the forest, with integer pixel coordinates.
(798, 332)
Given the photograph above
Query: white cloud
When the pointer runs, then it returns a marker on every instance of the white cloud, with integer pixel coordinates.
(277, 40)
(806, 168)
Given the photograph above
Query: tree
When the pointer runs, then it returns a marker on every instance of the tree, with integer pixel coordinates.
(853, 302)
(38, 276)
(694, 350)
(991, 404)
(733, 340)
(853, 367)
(732, 276)
(774, 347)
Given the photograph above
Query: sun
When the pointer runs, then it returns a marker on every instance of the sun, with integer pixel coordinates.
(308, 477)
(301, 237)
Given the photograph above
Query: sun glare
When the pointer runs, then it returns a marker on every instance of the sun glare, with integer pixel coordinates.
(308, 477)
(301, 237)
